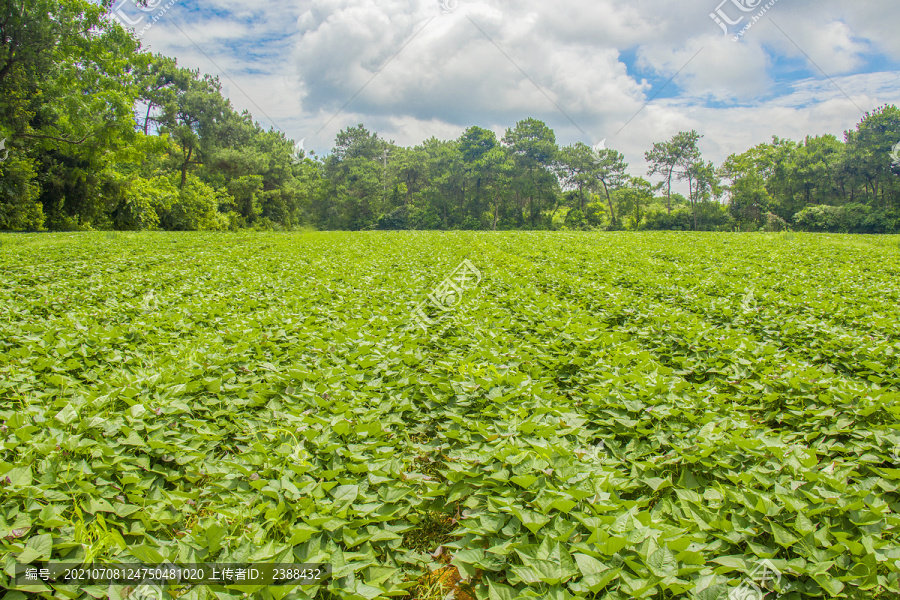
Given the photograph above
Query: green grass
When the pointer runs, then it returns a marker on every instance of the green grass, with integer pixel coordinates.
(269, 398)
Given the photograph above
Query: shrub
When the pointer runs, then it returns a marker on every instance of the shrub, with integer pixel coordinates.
(196, 208)
(144, 200)
(775, 224)
(595, 213)
(712, 216)
(575, 219)
(882, 221)
(680, 219)
(849, 218)
(397, 219)
(815, 218)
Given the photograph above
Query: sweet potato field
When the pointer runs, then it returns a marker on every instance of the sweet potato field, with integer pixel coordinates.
(610, 416)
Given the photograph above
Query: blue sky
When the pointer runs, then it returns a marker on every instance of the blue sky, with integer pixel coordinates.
(632, 73)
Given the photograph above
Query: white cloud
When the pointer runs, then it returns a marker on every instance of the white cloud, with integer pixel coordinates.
(301, 63)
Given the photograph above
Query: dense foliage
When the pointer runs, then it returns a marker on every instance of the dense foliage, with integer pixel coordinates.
(72, 81)
(608, 415)
(99, 134)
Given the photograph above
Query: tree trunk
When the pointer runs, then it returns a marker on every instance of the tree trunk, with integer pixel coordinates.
(615, 221)
(462, 199)
(184, 167)
(692, 200)
(669, 189)
(147, 118)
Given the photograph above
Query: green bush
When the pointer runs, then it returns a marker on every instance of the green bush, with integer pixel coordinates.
(397, 219)
(711, 216)
(575, 219)
(775, 224)
(144, 200)
(882, 221)
(680, 219)
(196, 208)
(596, 213)
(815, 218)
(415, 217)
(471, 223)
(850, 218)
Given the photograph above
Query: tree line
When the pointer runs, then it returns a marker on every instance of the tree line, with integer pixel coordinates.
(99, 134)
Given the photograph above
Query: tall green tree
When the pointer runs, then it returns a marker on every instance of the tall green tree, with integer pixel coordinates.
(355, 175)
(575, 167)
(633, 198)
(67, 92)
(195, 120)
(749, 173)
(663, 159)
(871, 148)
(533, 144)
(609, 171)
(496, 168)
(159, 81)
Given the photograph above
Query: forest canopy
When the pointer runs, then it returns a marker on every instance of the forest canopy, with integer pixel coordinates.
(98, 134)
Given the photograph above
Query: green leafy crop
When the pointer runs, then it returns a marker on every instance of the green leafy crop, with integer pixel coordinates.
(607, 416)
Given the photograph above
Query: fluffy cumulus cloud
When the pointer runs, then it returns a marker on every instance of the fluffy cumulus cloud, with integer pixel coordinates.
(632, 73)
